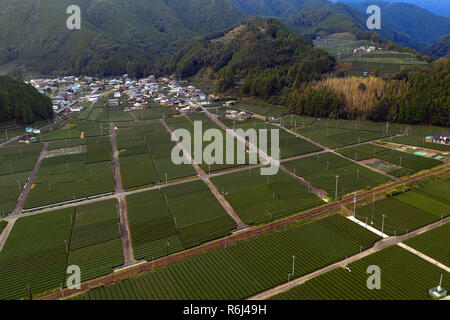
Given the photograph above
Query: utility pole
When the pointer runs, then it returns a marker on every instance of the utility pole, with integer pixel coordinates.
(382, 225)
(373, 208)
(336, 193)
(354, 204)
(293, 265)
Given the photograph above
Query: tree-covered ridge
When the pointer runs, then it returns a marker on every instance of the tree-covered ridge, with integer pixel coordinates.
(22, 102)
(116, 36)
(439, 49)
(413, 97)
(259, 50)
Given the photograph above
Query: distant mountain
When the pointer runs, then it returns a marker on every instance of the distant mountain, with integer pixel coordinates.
(439, 7)
(21, 102)
(319, 21)
(116, 36)
(419, 24)
(440, 48)
(275, 8)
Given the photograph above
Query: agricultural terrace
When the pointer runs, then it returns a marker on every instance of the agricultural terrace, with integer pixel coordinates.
(145, 156)
(40, 247)
(73, 172)
(337, 137)
(15, 165)
(76, 130)
(172, 219)
(260, 199)
(433, 243)
(387, 62)
(404, 276)
(321, 171)
(407, 211)
(290, 145)
(187, 122)
(244, 269)
(394, 162)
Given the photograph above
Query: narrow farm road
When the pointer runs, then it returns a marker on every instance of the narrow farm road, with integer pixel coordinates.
(29, 184)
(125, 234)
(5, 233)
(378, 246)
(230, 211)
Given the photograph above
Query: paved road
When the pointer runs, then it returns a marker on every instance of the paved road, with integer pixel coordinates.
(26, 189)
(123, 209)
(221, 243)
(378, 246)
(230, 211)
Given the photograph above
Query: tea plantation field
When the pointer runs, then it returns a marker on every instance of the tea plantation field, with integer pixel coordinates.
(337, 137)
(408, 162)
(321, 171)
(261, 199)
(66, 175)
(36, 250)
(221, 161)
(433, 243)
(16, 162)
(407, 211)
(246, 268)
(75, 130)
(399, 279)
(145, 156)
(289, 144)
(175, 218)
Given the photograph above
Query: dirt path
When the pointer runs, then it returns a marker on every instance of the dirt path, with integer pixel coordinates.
(29, 184)
(127, 247)
(5, 233)
(229, 210)
(224, 242)
(133, 116)
(378, 246)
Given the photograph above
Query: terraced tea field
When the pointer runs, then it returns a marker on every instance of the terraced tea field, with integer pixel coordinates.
(246, 268)
(321, 171)
(433, 243)
(260, 199)
(409, 163)
(40, 248)
(145, 156)
(399, 279)
(175, 218)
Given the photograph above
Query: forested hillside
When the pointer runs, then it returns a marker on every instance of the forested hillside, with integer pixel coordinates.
(22, 102)
(116, 36)
(264, 53)
(414, 97)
